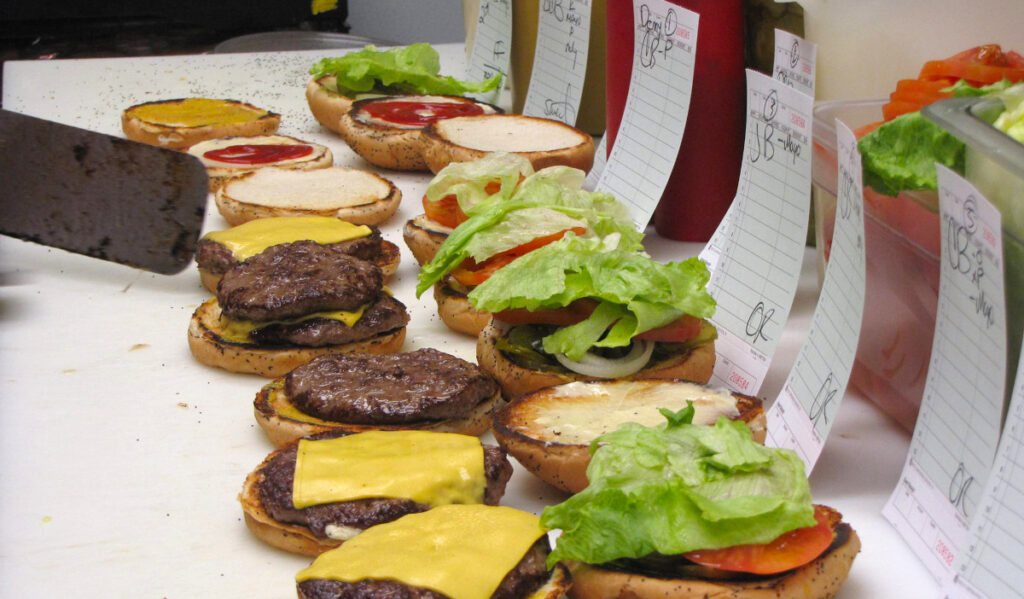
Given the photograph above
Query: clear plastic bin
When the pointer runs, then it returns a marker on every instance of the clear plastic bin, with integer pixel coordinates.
(902, 245)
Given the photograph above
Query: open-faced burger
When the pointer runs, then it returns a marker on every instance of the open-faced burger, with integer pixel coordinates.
(449, 552)
(228, 157)
(292, 302)
(371, 73)
(218, 251)
(183, 122)
(320, 492)
(454, 191)
(541, 209)
(424, 390)
(549, 431)
(680, 510)
(586, 309)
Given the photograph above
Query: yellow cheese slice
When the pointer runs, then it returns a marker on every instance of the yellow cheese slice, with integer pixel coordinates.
(429, 468)
(462, 551)
(253, 237)
(196, 112)
(237, 331)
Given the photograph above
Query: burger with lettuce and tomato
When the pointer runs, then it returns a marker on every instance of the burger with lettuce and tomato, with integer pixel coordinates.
(454, 192)
(510, 211)
(687, 511)
(594, 308)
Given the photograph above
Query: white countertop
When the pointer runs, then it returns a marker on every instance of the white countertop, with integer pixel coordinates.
(121, 457)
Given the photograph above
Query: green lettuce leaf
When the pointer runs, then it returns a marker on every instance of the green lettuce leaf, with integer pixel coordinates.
(468, 180)
(499, 224)
(680, 487)
(1011, 121)
(634, 292)
(900, 155)
(413, 69)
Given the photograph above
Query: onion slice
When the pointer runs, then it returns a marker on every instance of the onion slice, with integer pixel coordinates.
(592, 364)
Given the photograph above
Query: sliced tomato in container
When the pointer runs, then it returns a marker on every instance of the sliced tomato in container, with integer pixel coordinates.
(982, 65)
(791, 550)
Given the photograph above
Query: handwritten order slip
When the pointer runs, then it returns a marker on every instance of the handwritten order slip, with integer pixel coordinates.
(657, 105)
(958, 426)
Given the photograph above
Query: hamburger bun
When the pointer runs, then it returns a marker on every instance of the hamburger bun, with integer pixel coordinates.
(288, 537)
(819, 579)
(549, 431)
(544, 142)
(389, 144)
(356, 196)
(696, 365)
(221, 169)
(326, 104)
(457, 313)
(184, 122)
(211, 345)
(424, 236)
(285, 422)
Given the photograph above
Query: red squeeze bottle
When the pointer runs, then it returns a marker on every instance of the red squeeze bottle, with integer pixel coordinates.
(703, 180)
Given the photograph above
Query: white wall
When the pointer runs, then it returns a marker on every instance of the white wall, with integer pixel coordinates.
(407, 21)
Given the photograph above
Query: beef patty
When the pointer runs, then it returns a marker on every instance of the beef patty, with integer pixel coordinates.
(388, 388)
(277, 478)
(383, 315)
(215, 257)
(291, 280)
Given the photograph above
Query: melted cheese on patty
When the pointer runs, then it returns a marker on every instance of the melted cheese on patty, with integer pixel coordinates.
(461, 551)
(251, 238)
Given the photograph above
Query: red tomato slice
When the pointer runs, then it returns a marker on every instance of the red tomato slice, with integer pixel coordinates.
(447, 211)
(575, 312)
(791, 550)
(469, 273)
(981, 65)
(893, 109)
(681, 329)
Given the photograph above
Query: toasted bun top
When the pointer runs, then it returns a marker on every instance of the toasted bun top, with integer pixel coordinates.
(323, 189)
(509, 133)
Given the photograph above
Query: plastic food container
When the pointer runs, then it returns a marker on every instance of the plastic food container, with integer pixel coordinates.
(902, 245)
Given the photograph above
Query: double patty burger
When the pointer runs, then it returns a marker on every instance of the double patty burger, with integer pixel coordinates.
(425, 389)
(449, 552)
(292, 302)
(318, 493)
(218, 251)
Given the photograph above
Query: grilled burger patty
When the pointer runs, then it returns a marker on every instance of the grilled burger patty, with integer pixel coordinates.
(291, 280)
(216, 258)
(388, 388)
(277, 479)
(528, 575)
(383, 315)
